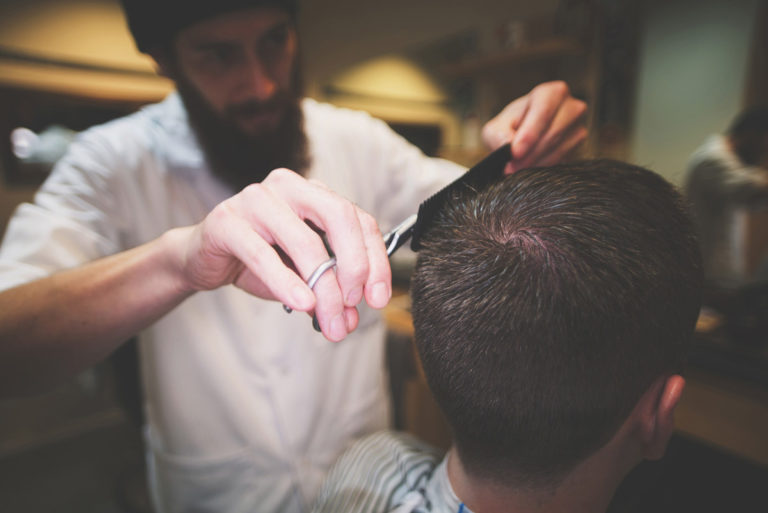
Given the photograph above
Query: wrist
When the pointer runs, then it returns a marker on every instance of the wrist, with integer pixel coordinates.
(172, 246)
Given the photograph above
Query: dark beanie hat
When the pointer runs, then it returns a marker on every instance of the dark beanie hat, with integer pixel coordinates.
(154, 22)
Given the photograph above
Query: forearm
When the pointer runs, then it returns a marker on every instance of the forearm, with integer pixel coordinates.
(57, 326)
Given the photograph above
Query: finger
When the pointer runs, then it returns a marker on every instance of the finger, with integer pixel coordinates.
(350, 245)
(338, 218)
(273, 218)
(575, 137)
(276, 219)
(567, 125)
(501, 129)
(266, 276)
(315, 181)
(545, 101)
(378, 287)
(329, 309)
(352, 318)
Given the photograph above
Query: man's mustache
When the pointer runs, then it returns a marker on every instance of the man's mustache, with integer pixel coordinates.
(249, 108)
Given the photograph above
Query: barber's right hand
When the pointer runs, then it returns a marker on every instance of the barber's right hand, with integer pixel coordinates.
(235, 244)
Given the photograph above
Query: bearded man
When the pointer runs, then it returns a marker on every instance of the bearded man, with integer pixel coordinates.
(148, 221)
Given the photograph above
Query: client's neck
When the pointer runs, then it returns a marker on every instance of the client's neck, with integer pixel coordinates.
(586, 489)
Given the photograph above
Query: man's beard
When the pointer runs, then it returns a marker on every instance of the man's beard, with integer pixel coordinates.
(240, 159)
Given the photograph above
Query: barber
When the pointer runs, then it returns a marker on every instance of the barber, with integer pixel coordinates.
(187, 224)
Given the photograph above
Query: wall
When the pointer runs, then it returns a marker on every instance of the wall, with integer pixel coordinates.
(91, 32)
(692, 62)
(364, 51)
(692, 72)
(86, 32)
(336, 36)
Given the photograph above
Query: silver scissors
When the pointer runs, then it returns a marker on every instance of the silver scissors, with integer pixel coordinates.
(393, 240)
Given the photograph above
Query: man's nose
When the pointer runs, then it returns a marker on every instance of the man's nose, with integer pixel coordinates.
(257, 81)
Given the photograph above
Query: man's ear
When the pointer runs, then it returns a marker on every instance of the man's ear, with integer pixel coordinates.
(657, 410)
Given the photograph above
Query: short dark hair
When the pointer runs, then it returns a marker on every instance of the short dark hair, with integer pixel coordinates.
(546, 304)
(154, 23)
(749, 135)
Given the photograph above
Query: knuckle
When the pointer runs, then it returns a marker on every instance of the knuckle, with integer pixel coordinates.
(311, 254)
(318, 183)
(217, 227)
(254, 194)
(580, 107)
(368, 223)
(253, 191)
(329, 296)
(561, 87)
(279, 176)
(557, 87)
(221, 212)
(358, 270)
(258, 259)
(344, 209)
(526, 138)
(314, 247)
(489, 130)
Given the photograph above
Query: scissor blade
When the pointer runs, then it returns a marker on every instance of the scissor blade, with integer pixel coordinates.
(399, 235)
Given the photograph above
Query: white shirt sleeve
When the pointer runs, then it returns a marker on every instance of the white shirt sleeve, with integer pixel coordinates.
(74, 218)
(363, 159)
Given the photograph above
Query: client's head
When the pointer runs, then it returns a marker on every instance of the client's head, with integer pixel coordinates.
(546, 305)
(749, 136)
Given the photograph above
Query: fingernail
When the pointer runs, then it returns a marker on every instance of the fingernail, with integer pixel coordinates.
(338, 327)
(302, 297)
(380, 294)
(519, 149)
(351, 321)
(354, 296)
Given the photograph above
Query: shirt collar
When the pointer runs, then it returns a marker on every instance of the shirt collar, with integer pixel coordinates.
(440, 493)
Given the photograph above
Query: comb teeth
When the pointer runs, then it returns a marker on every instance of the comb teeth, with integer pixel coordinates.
(485, 172)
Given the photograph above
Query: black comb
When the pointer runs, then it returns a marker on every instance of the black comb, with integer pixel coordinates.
(485, 172)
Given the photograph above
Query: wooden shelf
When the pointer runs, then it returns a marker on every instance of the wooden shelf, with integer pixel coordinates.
(546, 49)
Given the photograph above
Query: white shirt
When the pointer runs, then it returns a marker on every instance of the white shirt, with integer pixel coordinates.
(389, 472)
(722, 190)
(247, 407)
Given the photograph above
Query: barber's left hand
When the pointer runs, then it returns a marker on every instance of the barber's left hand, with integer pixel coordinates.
(543, 126)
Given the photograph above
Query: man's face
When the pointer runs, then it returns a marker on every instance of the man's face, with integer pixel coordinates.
(238, 77)
(242, 64)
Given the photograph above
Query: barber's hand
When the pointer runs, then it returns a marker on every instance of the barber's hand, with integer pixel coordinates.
(543, 126)
(236, 244)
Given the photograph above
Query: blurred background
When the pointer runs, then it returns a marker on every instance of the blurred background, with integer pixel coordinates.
(659, 78)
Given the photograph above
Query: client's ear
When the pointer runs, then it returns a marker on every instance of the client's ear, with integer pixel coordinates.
(657, 411)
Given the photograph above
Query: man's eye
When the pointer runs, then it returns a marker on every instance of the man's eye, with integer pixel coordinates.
(219, 55)
(222, 55)
(277, 38)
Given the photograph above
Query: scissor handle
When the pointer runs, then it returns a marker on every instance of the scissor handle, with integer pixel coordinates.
(393, 239)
